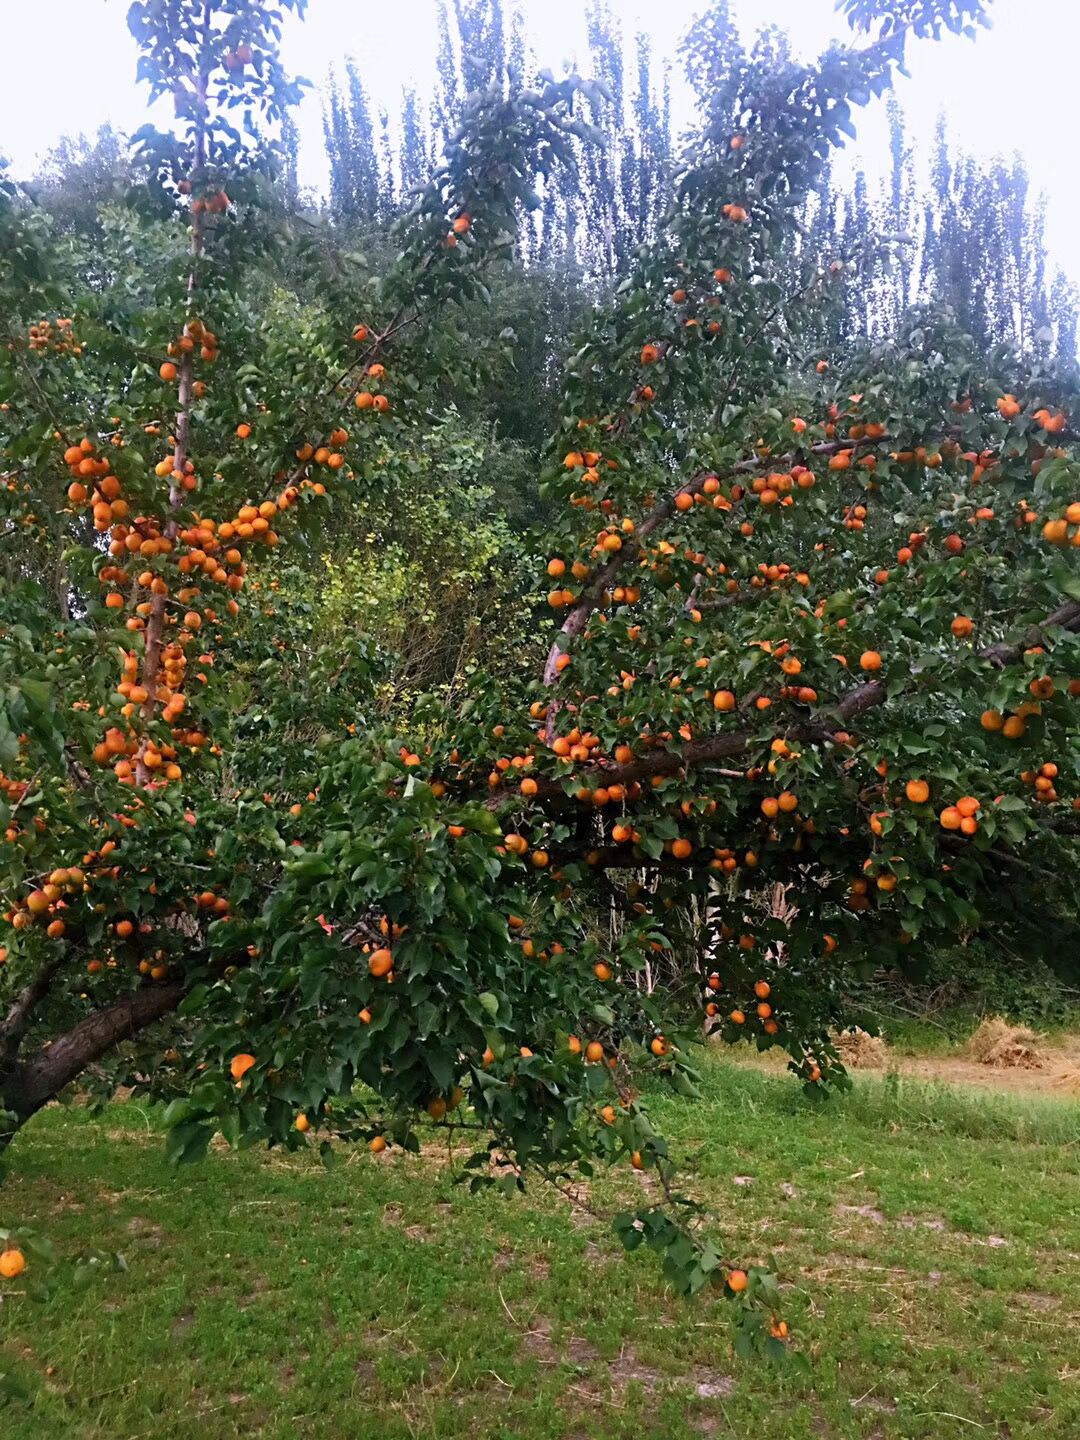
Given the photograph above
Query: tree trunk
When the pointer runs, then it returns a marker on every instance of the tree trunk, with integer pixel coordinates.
(28, 1085)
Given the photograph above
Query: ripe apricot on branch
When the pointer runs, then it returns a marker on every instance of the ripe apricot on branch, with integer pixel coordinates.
(380, 962)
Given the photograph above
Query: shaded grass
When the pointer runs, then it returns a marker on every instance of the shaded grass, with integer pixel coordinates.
(928, 1241)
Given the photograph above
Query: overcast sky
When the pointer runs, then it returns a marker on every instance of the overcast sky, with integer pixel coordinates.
(69, 66)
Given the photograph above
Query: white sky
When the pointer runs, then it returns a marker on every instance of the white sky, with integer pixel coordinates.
(1000, 94)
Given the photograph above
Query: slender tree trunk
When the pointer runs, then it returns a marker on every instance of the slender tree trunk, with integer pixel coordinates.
(185, 395)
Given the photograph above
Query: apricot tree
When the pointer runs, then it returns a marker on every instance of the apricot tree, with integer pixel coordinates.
(811, 676)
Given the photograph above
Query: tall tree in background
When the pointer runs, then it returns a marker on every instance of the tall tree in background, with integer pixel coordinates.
(590, 224)
(628, 177)
(356, 188)
(972, 240)
(81, 174)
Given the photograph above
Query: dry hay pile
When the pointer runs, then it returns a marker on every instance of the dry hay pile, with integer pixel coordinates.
(1006, 1046)
(860, 1051)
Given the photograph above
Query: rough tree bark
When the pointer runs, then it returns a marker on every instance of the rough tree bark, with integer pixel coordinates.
(28, 1085)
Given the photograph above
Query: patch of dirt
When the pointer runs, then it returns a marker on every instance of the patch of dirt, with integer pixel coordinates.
(259, 1286)
(65, 1206)
(706, 1384)
(868, 1212)
(205, 1404)
(836, 1267)
(394, 1215)
(647, 1181)
(182, 1323)
(538, 1343)
(710, 1386)
(860, 1051)
(1007, 1047)
(145, 1231)
(874, 1402)
(373, 1336)
(577, 1197)
(1058, 1076)
(595, 1255)
(577, 1351)
(1036, 1300)
(626, 1371)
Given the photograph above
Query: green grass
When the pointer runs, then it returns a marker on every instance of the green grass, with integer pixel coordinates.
(928, 1241)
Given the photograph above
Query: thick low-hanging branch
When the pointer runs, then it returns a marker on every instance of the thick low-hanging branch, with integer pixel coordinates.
(587, 602)
(855, 703)
(35, 1083)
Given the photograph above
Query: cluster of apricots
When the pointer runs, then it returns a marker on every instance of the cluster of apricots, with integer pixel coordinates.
(169, 610)
(1064, 529)
(196, 338)
(613, 538)
(761, 1009)
(329, 455)
(370, 397)
(1042, 782)
(46, 903)
(1013, 726)
(214, 202)
(1009, 408)
(962, 815)
(461, 225)
(49, 902)
(239, 57)
(13, 790)
(200, 553)
(770, 489)
(774, 488)
(93, 484)
(56, 337)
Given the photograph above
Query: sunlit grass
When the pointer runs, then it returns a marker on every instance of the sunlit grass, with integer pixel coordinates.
(926, 1239)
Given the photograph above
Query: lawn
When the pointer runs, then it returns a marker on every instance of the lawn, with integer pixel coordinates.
(928, 1240)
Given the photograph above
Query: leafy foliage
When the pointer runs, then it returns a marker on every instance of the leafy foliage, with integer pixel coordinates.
(815, 676)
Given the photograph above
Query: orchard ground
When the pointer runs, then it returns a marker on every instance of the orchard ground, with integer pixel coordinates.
(928, 1237)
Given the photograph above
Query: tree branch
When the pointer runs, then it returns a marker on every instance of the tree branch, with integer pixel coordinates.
(21, 1010)
(56, 1065)
(855, 703)
(1065, 617)
(582, 609)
